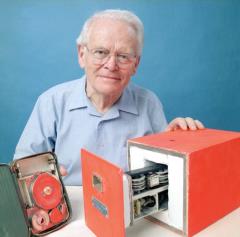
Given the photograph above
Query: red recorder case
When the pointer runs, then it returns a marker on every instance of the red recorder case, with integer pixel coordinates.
(185, 179)
(33, 200)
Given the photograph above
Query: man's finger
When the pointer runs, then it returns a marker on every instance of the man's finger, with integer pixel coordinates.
(63, 170)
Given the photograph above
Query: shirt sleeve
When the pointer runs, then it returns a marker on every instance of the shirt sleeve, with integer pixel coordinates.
(39, 134)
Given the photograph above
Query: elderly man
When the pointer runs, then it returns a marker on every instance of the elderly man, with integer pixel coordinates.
(102, 110)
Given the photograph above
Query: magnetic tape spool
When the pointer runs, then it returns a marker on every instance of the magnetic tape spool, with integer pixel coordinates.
(58, 214)
(40, 220)
(46, 191)
(139, 183)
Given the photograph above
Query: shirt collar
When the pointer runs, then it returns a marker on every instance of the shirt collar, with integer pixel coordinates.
(126, 102)
(78, 99)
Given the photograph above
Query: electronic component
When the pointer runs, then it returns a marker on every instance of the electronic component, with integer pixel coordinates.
(144, 205)
(150, 189)
(139, 183)
(153, 180)
(148, 177)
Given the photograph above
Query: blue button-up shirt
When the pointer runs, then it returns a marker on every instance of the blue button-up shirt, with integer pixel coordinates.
(64, 120)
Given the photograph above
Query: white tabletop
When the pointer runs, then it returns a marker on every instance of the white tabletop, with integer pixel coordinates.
(229, 226)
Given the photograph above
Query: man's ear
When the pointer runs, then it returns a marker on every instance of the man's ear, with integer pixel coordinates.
(136, 64)
(81, 60)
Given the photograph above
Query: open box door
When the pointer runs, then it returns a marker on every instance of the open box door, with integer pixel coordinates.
(13, 221)
(103, 196)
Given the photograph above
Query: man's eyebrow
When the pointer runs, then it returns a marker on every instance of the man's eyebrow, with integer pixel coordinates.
(100, 48)
(119, 51)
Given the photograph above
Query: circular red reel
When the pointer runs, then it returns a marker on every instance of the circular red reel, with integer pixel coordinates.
(58, 214)
(46, 191)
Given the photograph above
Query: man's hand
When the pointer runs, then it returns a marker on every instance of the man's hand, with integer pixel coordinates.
(63, 170)
(184, 124)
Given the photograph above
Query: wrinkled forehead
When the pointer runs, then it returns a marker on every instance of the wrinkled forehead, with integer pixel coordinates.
(111, 30)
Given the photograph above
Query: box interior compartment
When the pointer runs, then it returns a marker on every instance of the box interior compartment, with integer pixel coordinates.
(28, 169)
(43, 196)
(157, 185)
(149, 189)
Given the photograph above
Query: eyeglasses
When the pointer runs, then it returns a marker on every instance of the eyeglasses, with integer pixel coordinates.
(102, 55)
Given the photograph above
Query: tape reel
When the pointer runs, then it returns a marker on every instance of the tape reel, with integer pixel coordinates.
(46, 191)
(40, 220)
(49, 207)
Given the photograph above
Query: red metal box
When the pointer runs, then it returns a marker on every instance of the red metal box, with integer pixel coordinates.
(186, 179)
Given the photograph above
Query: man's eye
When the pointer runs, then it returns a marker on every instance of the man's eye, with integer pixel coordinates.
(123, 56)
(100, 53)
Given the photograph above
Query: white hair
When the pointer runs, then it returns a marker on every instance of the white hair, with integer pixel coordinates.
(123, 15)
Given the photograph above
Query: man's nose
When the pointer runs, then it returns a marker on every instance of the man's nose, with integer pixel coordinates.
(111, 63)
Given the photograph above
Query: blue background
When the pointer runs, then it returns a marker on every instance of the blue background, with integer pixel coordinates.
(191, 57)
